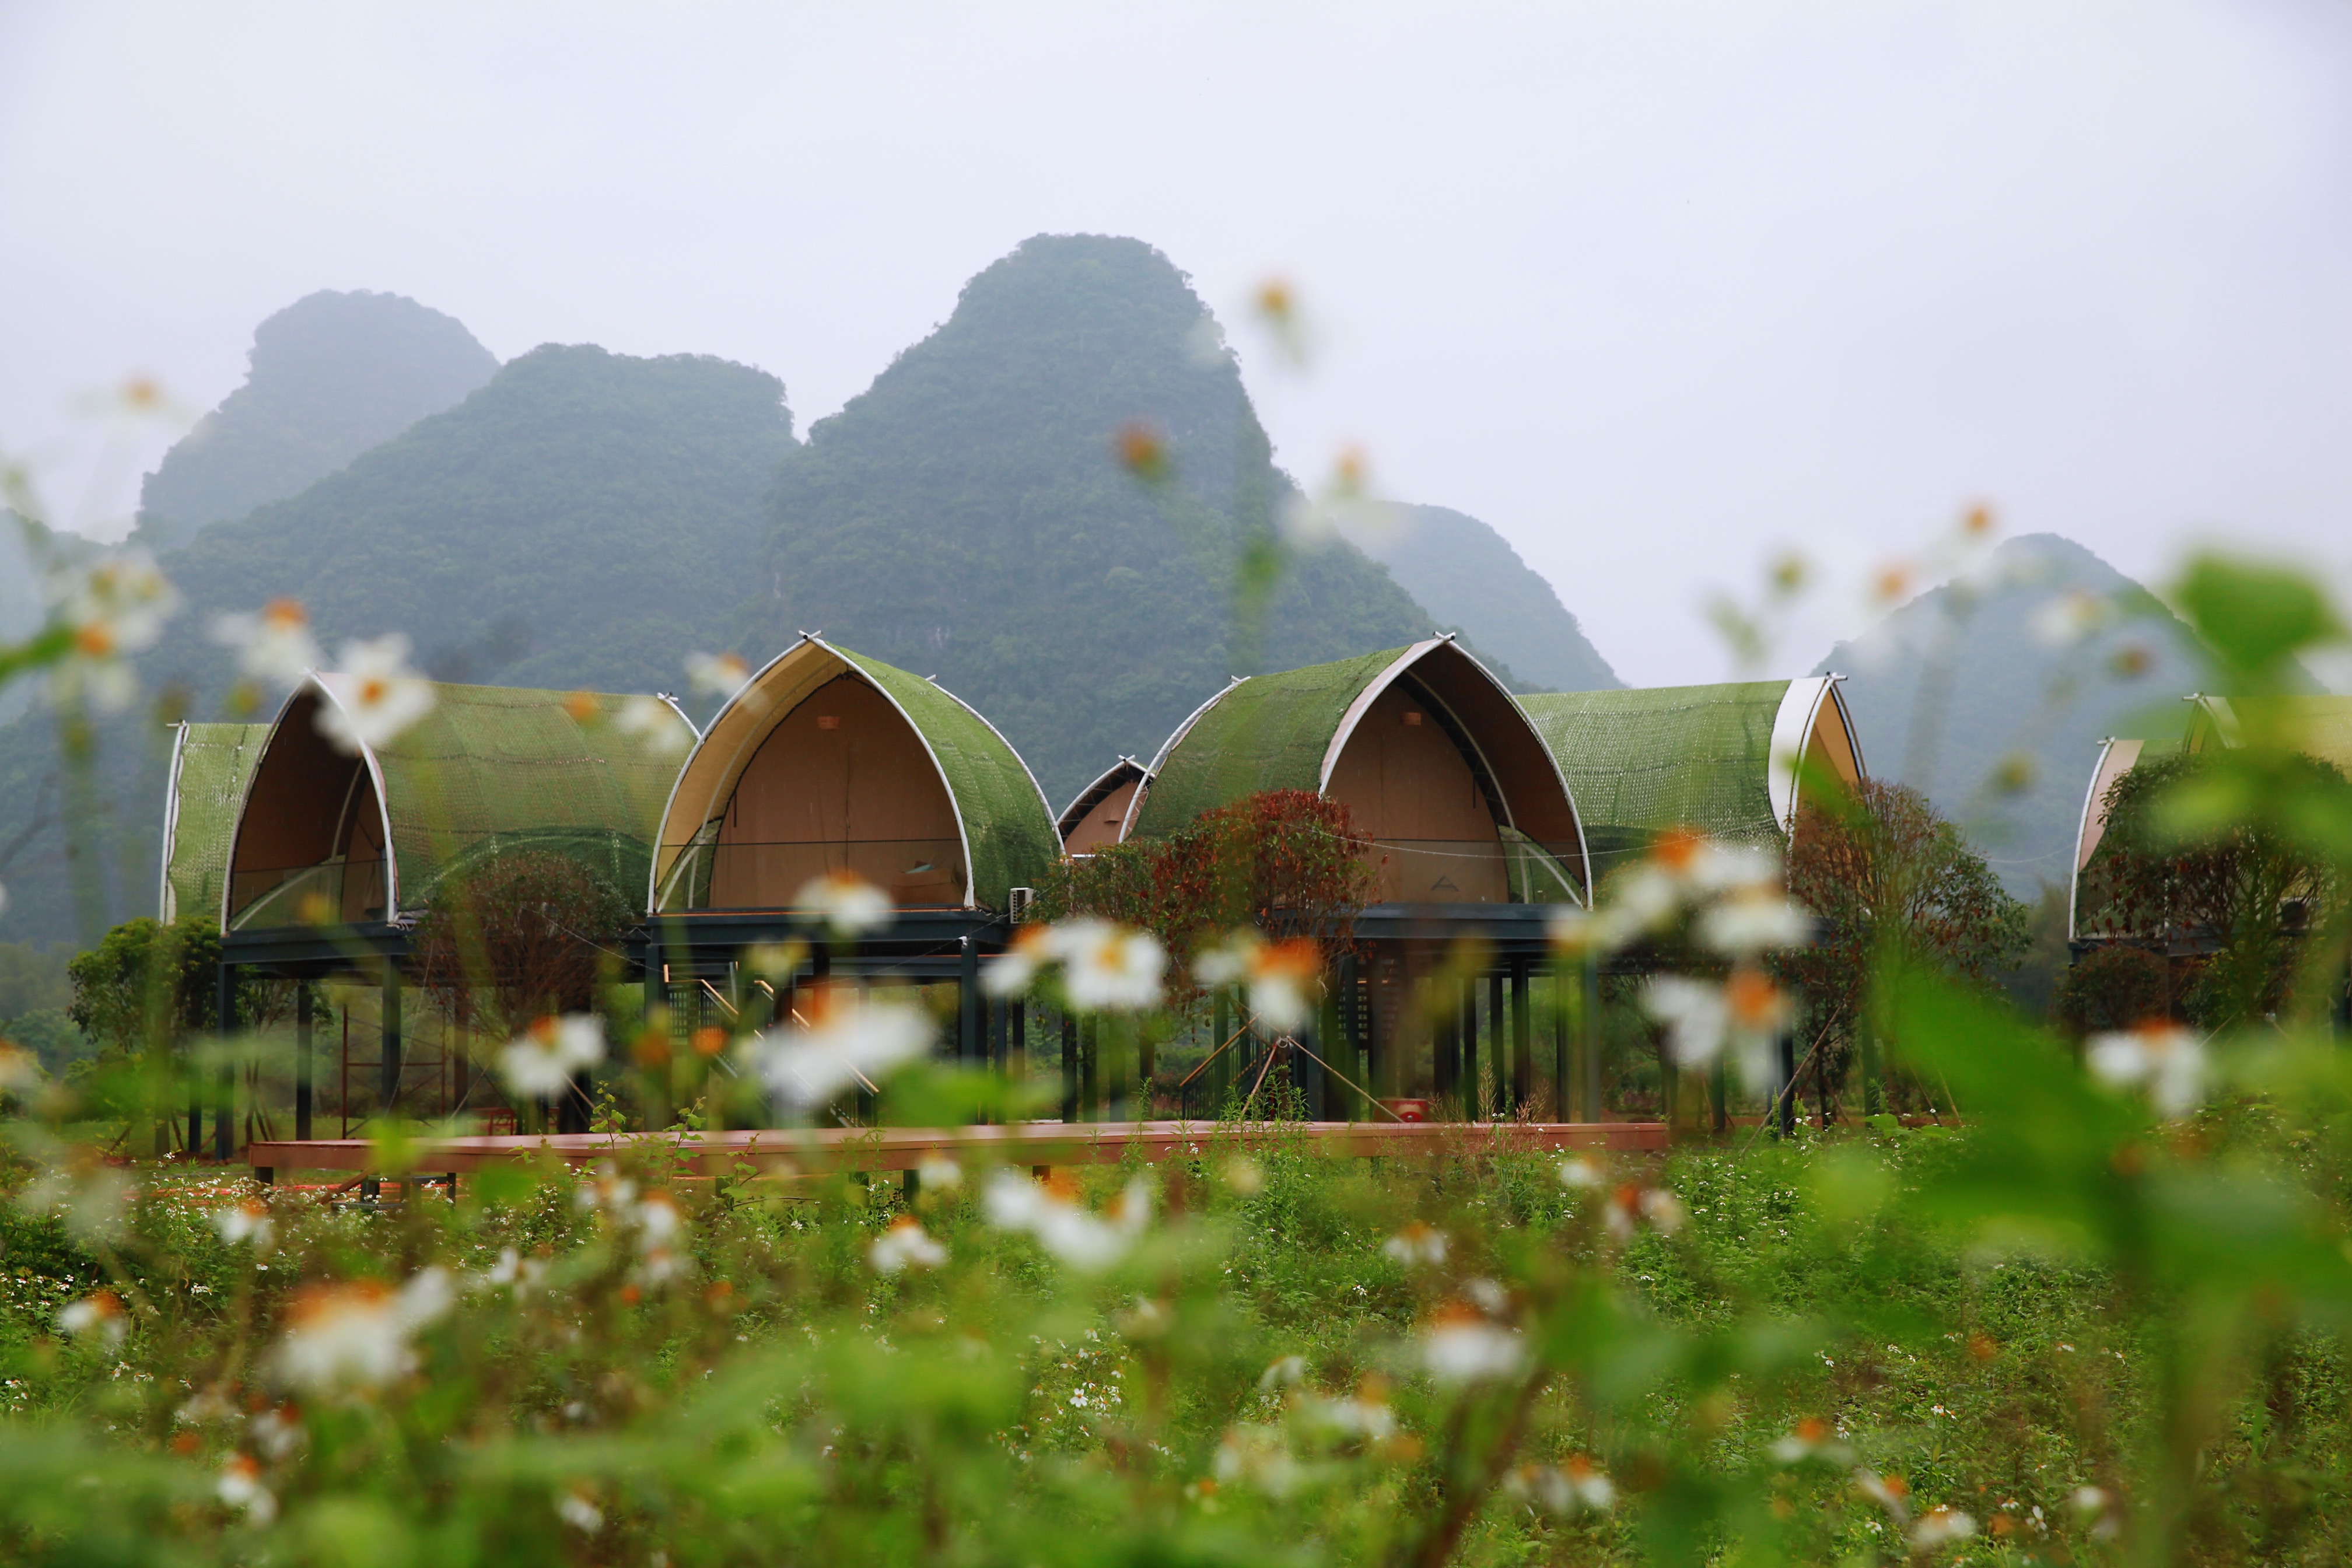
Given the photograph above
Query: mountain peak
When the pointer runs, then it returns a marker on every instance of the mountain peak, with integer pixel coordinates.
(329, 376)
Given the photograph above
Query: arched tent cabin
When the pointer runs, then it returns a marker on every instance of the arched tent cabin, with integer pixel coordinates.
(1444, 774)
(1728, 761)
(327, 836)
(2317, 725)
(1095, 816)
(211, 765)
(826, 760)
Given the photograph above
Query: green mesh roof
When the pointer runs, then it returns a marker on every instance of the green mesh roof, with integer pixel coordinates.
(493, 769)
(1269, 731)
(1006, 823)
(210, 768)
(1639, 763)
(2316, 725)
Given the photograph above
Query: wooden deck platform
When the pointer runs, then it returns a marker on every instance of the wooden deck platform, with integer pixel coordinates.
(805, 1150)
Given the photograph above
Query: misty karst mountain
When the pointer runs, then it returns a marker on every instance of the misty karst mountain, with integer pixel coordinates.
(584, 519)
(964, 517)
(329, 377)
(1468, 575)
(1974, 693)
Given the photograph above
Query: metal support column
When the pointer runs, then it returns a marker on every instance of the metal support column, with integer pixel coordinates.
(1498, 1048)
(388, 1073)
(1069, 1067)
(1523, 1039)
(968, 1042)
(1592, 1110)
(303, 1028)
(1788, 1092)
(1017, 1066)
(1221, 1070)
(225, 1107)
(1473, 1102)
(1563, 1081)
(1090, 1069)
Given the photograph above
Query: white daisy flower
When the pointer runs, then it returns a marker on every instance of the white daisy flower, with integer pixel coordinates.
(1812, 1438)
(1257, 1457)
(1747, 1012)
(717, 675)
(540, 1062)
(246, 1221)
(114, 608)
(835, 1043)
(275, 645)
(1417, 1246)
(356, 1335)
(906, 1245)
(1283, 978)
(1016, 970)
(2069, 617)
(938, 1174)
(1578, 1173)
(100, 1313)
(850, 904)
(1567, 1488)
(577, 1511)
(1462, 1344)
(1049, 1211)
(240, 1487)
(1754, 919)
(653, 725)
(1941, 1527)
(2167, 1058)
(377, 696)
(1107, 968)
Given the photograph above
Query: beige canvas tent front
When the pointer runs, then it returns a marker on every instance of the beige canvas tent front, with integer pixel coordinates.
(1452, 789)
(826, 760)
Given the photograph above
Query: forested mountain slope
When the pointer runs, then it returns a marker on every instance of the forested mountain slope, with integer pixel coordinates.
(582, 520)
(1468, 575)
(1977, 693)
(329, 377)
(967, 516)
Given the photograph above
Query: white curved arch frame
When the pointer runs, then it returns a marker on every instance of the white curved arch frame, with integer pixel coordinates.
(324, 683)
(2116, 758)
(1354, 716)
(752, 704)
(1794, 726)
(167, 907)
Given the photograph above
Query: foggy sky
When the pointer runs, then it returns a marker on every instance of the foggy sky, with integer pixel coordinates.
(1657, 289)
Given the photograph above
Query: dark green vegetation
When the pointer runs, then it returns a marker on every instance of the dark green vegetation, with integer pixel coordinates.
(331, 375)
(1469, 577)
(964, 517)
(569, 525)
(1963, 695)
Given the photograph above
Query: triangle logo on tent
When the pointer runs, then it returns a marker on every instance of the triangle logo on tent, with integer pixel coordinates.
(1443, 885)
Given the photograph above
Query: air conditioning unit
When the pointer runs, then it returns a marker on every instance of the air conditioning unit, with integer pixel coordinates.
(1016, 902)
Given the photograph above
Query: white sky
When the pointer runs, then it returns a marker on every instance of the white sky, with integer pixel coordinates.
(1658, 289)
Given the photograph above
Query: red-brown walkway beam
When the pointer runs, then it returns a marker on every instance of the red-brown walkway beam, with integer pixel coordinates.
(904, 1148)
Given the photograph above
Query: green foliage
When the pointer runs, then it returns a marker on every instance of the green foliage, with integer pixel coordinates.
(565, 526)
(517, 938)
(33, 978)
(148, 985)
(968, 516)
(1284, 862)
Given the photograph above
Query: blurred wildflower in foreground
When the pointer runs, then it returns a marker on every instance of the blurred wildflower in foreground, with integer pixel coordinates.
(377, 698)
(240, 1487)
(1283, 978)
(906, 1245)
(1106, 967)
(846, 901)
(1631, 1208)
(2168, 1059)
(1049, 1211)
(100, 1313)
(653, 725)
(1568, 1488)
(114, 608)
(1747, 1012)
(1257, 1457)
(356, 1335)
(1416, 1246)
(1813, 1439)
(274, 645)
(20, 1071)
(718, 674)
(1460, 1343)
(1578, 1174)
(834, 1042)
(245, 1222)
(541, 1061)
(88, 1193)
(1941, 1527)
